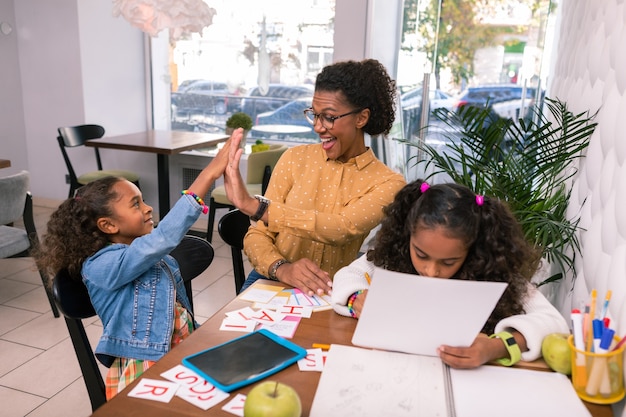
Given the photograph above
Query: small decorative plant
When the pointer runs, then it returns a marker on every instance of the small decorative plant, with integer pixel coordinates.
(259, 146)
(239, 119)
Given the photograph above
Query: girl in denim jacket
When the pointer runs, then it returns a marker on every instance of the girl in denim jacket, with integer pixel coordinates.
(105, 236)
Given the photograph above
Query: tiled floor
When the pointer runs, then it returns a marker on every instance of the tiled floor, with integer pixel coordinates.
(39, 372)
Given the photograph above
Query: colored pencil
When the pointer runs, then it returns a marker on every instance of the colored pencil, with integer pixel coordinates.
(592, 314)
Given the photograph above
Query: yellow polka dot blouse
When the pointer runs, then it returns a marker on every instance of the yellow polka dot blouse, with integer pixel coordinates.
(321, 209)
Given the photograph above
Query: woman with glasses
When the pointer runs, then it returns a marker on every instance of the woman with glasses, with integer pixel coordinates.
(323, 199)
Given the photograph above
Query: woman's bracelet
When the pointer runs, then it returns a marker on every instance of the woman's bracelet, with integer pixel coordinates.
(351, 302)
(205, 208)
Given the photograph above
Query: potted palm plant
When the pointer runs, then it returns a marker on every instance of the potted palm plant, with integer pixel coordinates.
(528, 164)
(237, 120)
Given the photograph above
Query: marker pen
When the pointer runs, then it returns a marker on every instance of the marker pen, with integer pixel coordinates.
(579, 342)
(598, 326)
(599, 374)
(605, 383)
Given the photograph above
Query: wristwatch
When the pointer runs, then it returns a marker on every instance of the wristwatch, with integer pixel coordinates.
(263, 204)
(511, 346)
(274, 267)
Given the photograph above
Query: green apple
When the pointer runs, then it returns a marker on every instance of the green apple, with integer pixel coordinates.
(556, 352)
(272, 399)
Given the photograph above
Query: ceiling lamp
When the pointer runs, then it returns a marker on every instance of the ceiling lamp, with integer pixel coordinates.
(181, 17)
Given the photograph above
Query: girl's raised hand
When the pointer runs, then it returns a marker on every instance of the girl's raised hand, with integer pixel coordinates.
(235, 151)
(215, 169)
(234, 184)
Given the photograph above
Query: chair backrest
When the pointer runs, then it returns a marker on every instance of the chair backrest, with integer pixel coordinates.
(232, 228)
(13, 189)
(257, 161)
(73, 136)
(73, 301)
(16, 203)
(72, 297)
(78, 135)
(194, 255)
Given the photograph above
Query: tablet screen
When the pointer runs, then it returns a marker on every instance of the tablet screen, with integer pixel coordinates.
(245, 359)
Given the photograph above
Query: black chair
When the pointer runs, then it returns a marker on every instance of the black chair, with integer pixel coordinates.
(16, 203)
(73, 300)
(77, 136)
(232, 228)
(193, 255)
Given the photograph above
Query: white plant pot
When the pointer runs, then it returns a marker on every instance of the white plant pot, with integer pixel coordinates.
(230, 130)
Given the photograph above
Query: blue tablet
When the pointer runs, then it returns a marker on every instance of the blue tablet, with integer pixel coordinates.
(244, 360)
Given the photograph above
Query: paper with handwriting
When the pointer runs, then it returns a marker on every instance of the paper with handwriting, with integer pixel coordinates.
(360, 382)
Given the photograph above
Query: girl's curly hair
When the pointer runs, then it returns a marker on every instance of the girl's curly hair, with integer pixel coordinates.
(366, 85)
(497, 248)
(72, 233)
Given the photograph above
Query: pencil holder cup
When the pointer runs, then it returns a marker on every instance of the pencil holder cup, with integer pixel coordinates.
(598, 377)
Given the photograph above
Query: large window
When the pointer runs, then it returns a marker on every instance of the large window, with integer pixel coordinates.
(473, 52)
(262, 57)
(258, 57)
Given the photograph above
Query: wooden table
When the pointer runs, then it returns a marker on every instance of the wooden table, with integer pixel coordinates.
(163, 143)
(323, 327)
(5, 163)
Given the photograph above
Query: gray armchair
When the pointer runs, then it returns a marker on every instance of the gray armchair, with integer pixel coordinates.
(16, 205)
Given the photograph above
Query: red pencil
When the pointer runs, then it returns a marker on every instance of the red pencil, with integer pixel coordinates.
(620, 343)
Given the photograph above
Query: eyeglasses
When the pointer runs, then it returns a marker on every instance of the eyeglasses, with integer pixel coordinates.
(327, 121)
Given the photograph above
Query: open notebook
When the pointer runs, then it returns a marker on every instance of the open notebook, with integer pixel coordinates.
(415, 314)
(405, 318)
(373, 383)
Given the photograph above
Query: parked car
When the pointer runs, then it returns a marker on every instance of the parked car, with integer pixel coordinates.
(277, 95)
(286, 122)
(438, 99)
(505, 99)
(185, 85)
(291, 113)
(203, 96)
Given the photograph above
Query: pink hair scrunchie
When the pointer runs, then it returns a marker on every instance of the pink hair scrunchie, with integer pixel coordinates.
(424, 187)
(480, 199)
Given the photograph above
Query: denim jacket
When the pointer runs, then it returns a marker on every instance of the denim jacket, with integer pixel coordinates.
(133, 288)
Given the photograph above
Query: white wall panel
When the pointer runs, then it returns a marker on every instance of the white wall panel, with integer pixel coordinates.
(590, 74)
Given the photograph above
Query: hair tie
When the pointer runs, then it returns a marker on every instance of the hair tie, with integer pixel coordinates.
(424, 187)
(480, 199)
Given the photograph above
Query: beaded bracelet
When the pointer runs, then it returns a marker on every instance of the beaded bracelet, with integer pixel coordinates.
(205, 208)
(351, 302)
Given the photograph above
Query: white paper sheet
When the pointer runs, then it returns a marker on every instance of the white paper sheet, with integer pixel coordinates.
(360, 382)
(415, 314)
(495, 391)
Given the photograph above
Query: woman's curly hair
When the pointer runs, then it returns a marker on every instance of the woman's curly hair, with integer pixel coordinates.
(497, 248)
(366, 85)
(72, 232)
